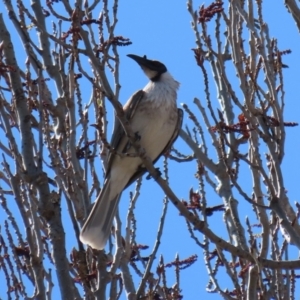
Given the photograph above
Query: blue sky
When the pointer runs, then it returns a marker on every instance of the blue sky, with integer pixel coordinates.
(162, 31)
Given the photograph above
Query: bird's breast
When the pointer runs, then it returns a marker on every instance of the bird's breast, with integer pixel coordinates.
(155, 126)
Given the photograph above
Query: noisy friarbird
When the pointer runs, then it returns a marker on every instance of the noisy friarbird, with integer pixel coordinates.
(153, 115)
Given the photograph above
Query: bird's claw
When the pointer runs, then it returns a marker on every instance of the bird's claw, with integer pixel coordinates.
(149, 176)
(137, 136)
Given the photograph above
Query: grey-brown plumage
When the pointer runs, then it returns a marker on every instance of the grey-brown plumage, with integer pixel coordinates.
(154, 116)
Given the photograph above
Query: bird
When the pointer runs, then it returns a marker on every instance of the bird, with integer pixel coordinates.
(154, 117)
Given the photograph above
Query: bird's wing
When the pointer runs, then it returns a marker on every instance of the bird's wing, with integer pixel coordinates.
(141, 171)
(119, 139)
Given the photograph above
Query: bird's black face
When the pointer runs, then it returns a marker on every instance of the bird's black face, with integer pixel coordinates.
(152, 68)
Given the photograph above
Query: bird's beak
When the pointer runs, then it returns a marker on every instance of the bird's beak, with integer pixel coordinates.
(152, 68)
(144, 62)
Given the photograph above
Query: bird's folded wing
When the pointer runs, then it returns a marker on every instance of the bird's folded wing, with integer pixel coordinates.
(119, 138)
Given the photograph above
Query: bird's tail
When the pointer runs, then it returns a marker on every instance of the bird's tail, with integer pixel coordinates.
(97, 227)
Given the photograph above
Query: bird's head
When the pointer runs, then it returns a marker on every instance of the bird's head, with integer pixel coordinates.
(152, 68)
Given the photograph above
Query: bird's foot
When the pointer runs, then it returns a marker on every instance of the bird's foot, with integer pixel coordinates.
(149, 176)
(137, 136)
